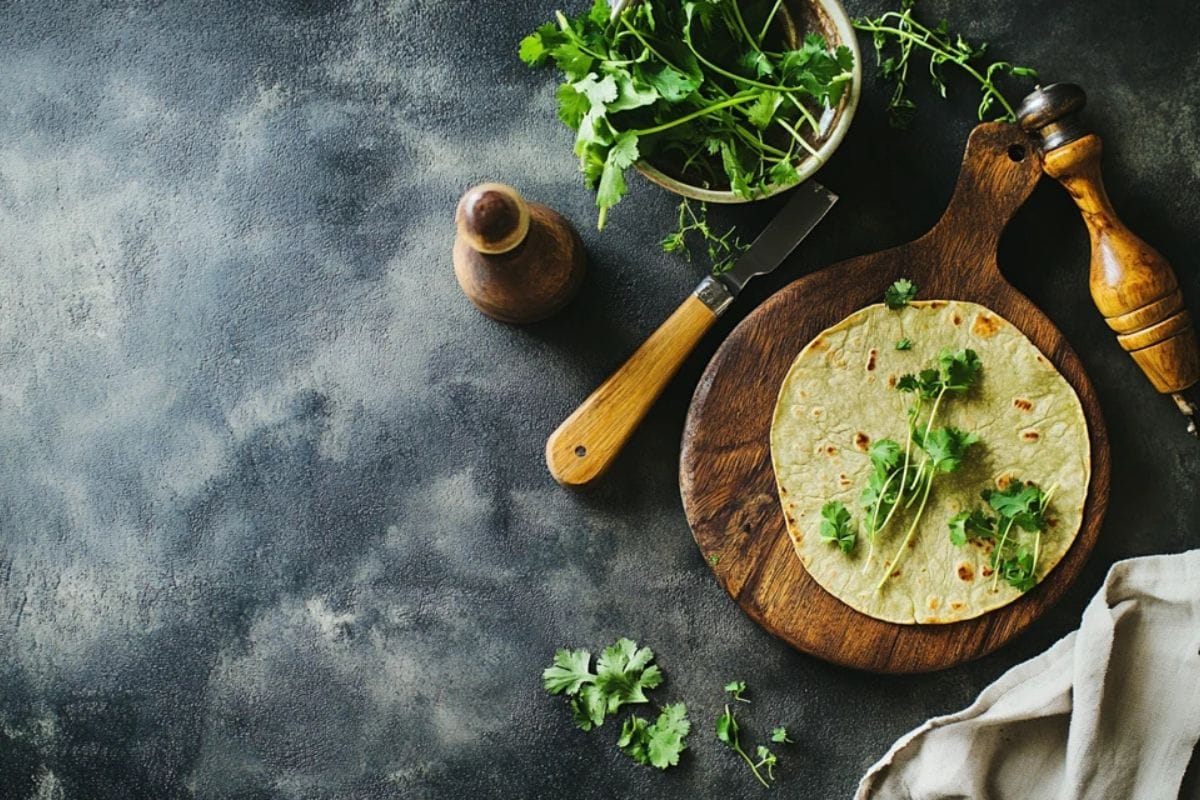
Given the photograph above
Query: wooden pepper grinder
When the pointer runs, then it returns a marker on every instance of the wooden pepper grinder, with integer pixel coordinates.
(518, 262)
(1132, 284)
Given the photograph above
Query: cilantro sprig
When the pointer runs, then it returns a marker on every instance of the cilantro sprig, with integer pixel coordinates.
(943, 449)
(899, 294)
(712, 92)
(722, 249)
(896, 34)
(837, 527)
(729, 732)
(1019, 506)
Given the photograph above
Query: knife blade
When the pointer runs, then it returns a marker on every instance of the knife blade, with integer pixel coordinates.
(582, 448)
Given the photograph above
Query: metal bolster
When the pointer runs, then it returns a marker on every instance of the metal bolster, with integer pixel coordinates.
(714, 294)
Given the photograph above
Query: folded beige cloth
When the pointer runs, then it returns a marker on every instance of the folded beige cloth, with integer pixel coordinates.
(1111, 711)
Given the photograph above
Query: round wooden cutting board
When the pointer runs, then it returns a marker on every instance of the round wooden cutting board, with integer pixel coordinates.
(725, 472)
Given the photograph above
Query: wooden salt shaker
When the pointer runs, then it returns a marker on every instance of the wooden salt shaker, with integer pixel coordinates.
(518, 262)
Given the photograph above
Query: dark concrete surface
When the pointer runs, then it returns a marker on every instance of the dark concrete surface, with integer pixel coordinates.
(274, 521)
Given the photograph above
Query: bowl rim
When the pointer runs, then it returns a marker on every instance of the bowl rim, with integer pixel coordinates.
(809, 166)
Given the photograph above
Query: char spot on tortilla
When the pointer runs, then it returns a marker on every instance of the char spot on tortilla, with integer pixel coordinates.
(844, 479)
(934, 602)
(891, 381)
(985, 326)
(986, 572)
(896, 574)
(818, 344)
(830, 450)
(956, 319)
(871, 359)
(1030, 435)
(936, 304)
(1003, 481)
(861, 440)
(817, 412)
(1022, 404)
(965, 572)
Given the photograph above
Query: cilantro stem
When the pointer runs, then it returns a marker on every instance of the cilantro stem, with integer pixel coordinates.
(737, 748)
(904, 544)
(872, 26)
(928, 427)
(770, 18)
(875, 531)
(996, 557)
(741, 23)
(799, 139)
(736, 100)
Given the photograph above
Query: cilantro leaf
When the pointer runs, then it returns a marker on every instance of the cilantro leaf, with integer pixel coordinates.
(762, 111)
(727, 727)
(947, 447)
(624, 672)
(900, 293)
(660, 744)
(904, 343)
(589, 707)
(836, 526)
(972, 524)
(885, 455)
(1023, 503)
(737, 689)
(780, 735)
(612, 180)
(958, 371)
(571, 670)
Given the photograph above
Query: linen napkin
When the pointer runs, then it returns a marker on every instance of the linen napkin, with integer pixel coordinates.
(1111, 711)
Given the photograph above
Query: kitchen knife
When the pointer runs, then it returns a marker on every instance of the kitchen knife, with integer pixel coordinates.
(588, 441)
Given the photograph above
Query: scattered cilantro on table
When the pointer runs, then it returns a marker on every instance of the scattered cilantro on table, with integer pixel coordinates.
(896, 34)
(729, 732)
(622, 677)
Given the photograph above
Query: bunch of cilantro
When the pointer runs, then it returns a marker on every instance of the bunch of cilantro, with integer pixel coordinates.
(710, 91)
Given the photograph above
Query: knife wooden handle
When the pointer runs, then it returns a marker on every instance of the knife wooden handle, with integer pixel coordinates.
(588, 441)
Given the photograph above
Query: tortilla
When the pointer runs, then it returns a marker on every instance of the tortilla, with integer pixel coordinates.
(839, 396)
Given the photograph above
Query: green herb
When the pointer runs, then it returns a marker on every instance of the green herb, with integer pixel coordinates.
(727, 732)
(737, 689)
(709, 90)
(780, 735)
(1019, 506)
(900, 294)
(967, 525)
(623, 674)
(660, 744)
(895, 34)
(836, 526)
(713, 559)
(904, 343)
(722, 250)
(880, 497)
(944, 448)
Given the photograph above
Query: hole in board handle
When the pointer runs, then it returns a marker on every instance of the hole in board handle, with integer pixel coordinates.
(581, 451)
(1016, 152)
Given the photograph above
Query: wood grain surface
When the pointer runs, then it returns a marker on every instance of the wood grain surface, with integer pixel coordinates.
(726, 478)
(585, 445)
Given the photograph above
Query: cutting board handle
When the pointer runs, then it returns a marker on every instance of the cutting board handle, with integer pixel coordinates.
(1000, 168)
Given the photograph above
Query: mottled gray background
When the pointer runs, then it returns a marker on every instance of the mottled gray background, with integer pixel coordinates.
(275, 521)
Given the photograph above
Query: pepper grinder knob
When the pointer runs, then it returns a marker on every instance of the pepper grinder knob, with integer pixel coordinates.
(1134, 287)
(517, 261)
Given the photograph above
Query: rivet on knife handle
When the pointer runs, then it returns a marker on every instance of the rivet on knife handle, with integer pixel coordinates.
(588, 441)
(1132, 284)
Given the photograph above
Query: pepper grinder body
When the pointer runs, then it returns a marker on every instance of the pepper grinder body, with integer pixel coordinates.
(1133, 286)
(517, 261)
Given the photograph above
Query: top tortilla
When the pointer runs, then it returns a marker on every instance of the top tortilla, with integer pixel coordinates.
(839, 396)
